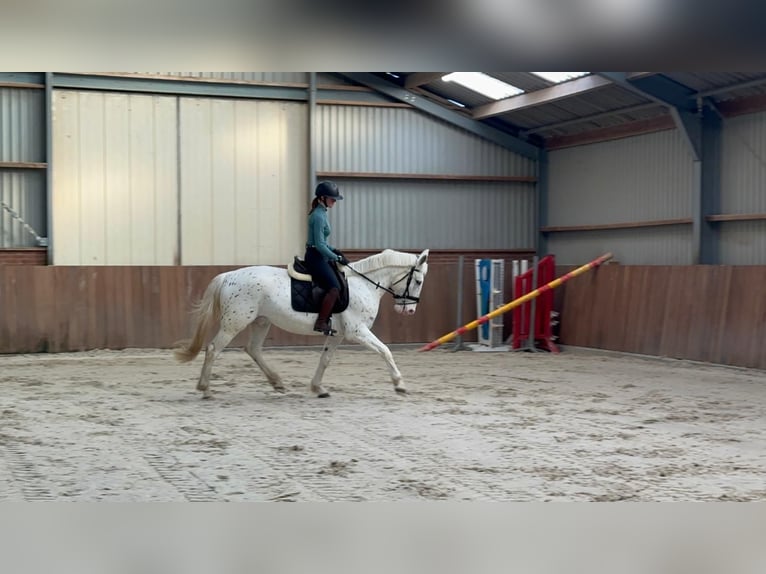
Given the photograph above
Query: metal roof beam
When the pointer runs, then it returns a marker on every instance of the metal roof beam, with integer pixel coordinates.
(678, 98)
(655, 87)
(420, 78)
(731, 87)
(504, 139)
(537, 97)
(197, 87)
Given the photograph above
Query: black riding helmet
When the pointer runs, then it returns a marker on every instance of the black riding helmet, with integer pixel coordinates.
(327, 189)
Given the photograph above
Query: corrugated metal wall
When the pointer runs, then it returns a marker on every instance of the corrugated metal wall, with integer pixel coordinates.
(115, 199)
(400, 140)
(415, 213)
(643, 178)
(244, 167)
(24, 193)
(667, 245)
(22, 139)
(263, 77)
(743, 189)
(437, 215)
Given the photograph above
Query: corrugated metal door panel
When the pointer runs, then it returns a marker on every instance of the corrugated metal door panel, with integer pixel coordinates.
(65, 196)
(273, 153)
(125, 226)
(243, 166)
(195, 118)
(246, 184)
(114, 179)
(153, 179)
(222, 190)
(93, 178)
(165, 183)
(294, 186)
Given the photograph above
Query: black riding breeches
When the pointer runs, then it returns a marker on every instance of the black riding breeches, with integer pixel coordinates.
(321, 270)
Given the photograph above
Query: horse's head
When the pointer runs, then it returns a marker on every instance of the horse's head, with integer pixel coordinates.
(407, 302)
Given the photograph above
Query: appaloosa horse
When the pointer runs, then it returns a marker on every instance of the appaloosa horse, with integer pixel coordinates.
(259, 296)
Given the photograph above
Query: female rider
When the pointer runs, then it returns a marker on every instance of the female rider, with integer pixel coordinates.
(320, 254)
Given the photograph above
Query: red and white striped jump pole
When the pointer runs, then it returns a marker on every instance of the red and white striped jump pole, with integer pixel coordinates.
(516, 302)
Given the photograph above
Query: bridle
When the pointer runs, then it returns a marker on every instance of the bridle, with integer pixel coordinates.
(405, 298)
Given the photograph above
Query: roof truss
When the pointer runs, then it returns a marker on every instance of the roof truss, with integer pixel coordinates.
(546, 95)
(500, 137)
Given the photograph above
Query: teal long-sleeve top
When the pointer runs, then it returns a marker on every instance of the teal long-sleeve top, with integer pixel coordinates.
(319, 231)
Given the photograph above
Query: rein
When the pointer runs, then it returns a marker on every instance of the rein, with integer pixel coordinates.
(404, 296)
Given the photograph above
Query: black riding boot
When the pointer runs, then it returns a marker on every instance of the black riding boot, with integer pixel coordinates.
(323, 321)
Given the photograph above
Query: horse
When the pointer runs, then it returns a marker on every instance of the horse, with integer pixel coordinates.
(259, 296)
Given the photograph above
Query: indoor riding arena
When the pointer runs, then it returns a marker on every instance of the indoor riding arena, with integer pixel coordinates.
(589, 325)
(578, 426)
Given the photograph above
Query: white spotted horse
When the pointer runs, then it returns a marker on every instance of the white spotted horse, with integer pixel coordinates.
(259, 296)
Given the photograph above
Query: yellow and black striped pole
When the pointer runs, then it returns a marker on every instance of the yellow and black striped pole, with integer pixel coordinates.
(516, 302)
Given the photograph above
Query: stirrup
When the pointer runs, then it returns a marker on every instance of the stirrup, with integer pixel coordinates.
(329, 331)
(325, 329)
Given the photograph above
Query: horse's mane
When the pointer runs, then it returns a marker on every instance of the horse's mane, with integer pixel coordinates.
(387, 258)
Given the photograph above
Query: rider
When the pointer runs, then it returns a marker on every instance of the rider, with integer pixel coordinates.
(320, 254)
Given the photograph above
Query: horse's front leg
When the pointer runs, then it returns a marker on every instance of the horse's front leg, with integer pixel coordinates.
(366, 338)
(330, 344)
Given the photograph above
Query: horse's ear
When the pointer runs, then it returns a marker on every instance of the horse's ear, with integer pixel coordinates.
(422, 258)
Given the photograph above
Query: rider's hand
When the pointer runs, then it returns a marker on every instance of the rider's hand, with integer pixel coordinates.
(342, 259)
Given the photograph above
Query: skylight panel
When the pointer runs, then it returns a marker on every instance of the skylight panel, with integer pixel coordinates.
(558, 77)
(483, 84)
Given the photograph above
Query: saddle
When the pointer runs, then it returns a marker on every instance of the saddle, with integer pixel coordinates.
(306, 296)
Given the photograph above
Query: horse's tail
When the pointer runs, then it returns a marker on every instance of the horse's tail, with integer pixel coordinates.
(206, 312)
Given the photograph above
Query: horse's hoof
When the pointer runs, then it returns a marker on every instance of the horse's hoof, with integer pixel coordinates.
(401, 390)
(207, 396)
(323, 395)
(281, 390)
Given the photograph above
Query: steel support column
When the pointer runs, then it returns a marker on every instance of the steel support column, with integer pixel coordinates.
(710, 187)
(541, 204)
(312, 96)
(701, 129)
(49, 165)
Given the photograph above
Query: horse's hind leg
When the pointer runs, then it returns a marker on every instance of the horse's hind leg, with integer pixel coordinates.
(258, 331)
(366, 338)
(212, 351)
(330, 344)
